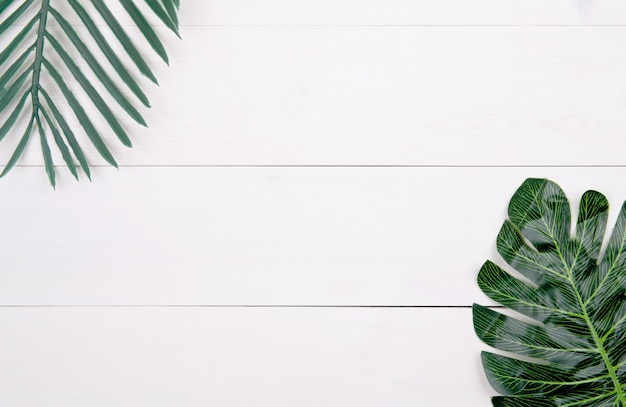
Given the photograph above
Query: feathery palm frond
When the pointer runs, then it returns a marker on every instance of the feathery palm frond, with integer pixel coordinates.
(36, 95)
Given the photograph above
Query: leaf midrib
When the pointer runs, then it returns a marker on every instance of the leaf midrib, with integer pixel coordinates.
(599, 342)
(39, 46)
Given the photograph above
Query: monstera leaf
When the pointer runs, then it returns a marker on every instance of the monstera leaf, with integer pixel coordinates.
(40, 77)
(565, 342)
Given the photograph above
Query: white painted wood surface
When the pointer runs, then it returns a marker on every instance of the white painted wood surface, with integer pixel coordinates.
(383, 96)
(265, 236)
(404, 12)
(300, 152)
(163, 357)
(388, 13)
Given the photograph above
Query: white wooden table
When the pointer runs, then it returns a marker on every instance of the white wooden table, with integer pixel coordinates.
(303, 221)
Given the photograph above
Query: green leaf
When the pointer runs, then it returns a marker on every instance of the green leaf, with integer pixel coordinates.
(47, 155)
(14, 68)
(19, 149)
(58, 139)
(124, 39)
(4, 4)
(60, 59)
(170, 21)
(570, 348)
(15, 16)
(13, 90)
(16, 42)
(97, 68)
(90, 91)
(108, 52)
(170, 8)
(145, 29)
(6, 127)
(68, 133)
(82, 116)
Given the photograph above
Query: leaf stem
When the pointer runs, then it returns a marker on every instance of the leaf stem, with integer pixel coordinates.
(611, 369)
(43, 19)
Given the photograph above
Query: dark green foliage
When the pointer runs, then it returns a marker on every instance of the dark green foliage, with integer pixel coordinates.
(38, 59)
(568, 346)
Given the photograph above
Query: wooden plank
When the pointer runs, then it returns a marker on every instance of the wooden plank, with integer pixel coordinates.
(383, 96)
(402, 12)
(239, 358)
(375, 12)
(263, 236)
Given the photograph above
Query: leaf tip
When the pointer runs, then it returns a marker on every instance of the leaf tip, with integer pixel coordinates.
(5, 171)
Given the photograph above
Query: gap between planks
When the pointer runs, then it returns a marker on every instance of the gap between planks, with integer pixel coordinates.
(247, 306)
(341, 166)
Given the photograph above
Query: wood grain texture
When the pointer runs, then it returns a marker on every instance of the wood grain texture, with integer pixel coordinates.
(402, 12)
(264, 236)
(387, 13)
(239, 358)
(383, 96)
(449, 87)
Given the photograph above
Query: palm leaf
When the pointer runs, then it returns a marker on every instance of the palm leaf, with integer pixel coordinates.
(566, 343)
(42, 84)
